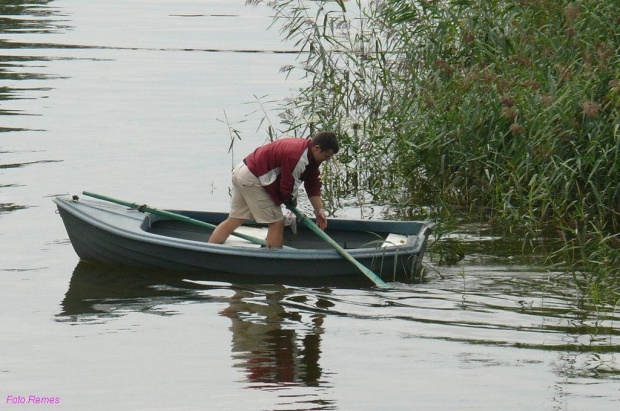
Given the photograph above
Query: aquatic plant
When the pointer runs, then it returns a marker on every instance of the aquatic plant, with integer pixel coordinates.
(509, 107)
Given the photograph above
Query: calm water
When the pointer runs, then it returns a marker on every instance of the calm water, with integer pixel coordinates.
(129, 98)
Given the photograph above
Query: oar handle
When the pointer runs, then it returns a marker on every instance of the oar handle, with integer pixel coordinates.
(310, 224)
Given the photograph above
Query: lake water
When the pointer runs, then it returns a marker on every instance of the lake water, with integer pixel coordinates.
(129, 98)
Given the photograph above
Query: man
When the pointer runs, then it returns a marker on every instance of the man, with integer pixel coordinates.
(271, 176)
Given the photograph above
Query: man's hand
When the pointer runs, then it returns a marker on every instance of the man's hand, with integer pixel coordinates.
(321, 218)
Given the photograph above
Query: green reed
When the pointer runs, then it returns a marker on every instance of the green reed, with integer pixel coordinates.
(509, 107)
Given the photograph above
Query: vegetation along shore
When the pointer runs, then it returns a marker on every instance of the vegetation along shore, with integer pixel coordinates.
(503, 110)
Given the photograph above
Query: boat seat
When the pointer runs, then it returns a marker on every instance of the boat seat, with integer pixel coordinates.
(257, 232)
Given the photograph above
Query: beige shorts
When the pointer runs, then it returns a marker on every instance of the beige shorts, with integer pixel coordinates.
(250, 200)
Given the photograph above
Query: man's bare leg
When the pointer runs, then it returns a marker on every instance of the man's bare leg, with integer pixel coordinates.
(224, 229)
(275, 235)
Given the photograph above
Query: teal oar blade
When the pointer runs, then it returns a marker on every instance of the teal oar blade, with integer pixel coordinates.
(174, 216)
(310, 224)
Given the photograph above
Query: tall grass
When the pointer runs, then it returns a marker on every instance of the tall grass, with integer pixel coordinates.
(510, 107)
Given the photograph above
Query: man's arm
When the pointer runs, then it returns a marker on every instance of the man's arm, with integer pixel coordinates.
(319, 212)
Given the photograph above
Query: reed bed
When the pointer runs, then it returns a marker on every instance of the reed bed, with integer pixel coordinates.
(506, 109)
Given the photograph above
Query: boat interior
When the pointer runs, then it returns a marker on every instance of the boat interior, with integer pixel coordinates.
(304, 239)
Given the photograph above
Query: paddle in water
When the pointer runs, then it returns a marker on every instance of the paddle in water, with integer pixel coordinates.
(312, 226)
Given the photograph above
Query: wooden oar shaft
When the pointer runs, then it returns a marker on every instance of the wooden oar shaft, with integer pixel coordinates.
(310, 224)
(168, 214)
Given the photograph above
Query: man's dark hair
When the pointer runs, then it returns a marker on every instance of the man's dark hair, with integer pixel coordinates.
(327, 140)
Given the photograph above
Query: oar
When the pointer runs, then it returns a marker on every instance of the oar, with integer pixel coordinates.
(174, 216)
(310, 224)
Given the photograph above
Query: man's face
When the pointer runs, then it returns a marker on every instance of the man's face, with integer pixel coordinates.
(320, 156)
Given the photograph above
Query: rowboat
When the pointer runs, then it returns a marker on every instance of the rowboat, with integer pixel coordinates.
(114, 234)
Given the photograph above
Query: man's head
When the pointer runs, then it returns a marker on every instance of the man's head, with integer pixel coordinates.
(324, 145)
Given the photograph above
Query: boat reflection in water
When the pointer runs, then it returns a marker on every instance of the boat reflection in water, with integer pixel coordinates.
(276, 329)
(97, 291)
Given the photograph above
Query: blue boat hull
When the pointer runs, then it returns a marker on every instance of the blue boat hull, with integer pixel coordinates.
(112, 234)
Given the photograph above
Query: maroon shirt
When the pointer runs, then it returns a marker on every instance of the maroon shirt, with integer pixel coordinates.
(281, 167)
